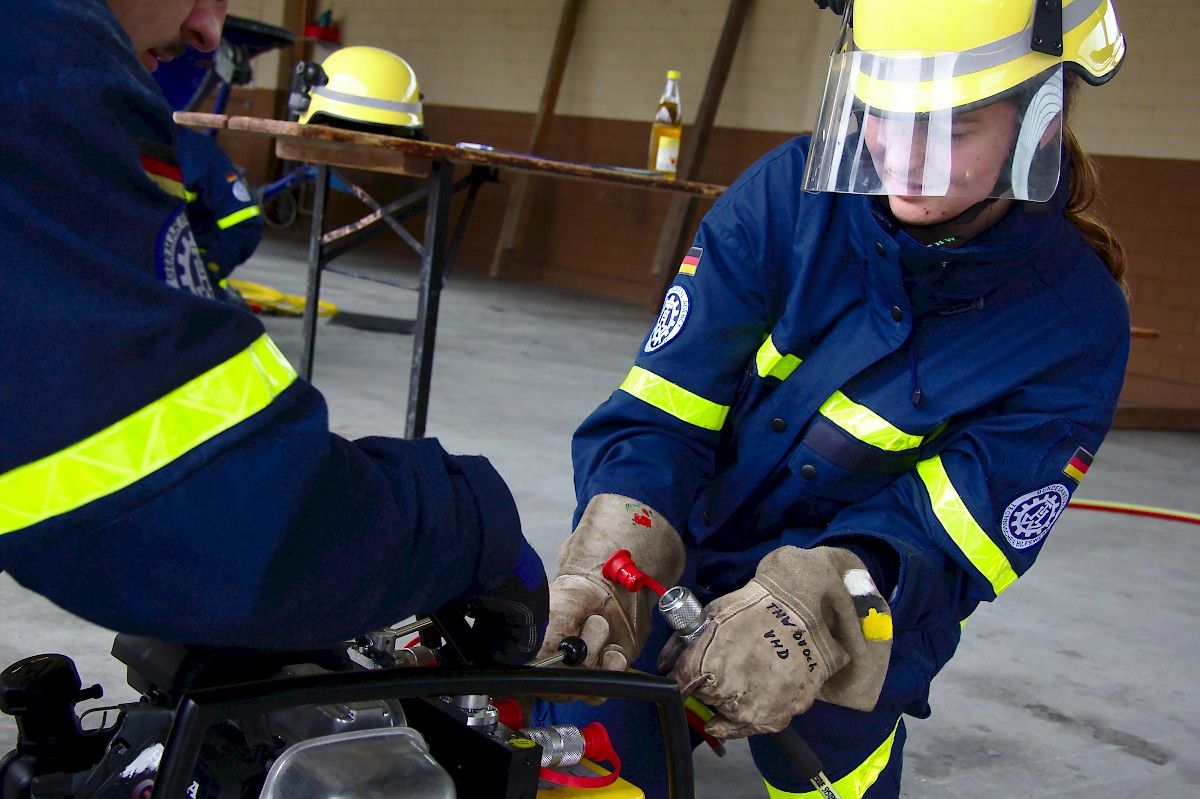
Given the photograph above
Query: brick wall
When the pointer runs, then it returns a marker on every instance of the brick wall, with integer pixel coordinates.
(1154, 207)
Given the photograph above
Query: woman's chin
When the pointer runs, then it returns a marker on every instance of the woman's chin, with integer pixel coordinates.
(916, 210)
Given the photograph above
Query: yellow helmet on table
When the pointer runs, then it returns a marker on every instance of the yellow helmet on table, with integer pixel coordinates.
(367, 88)
(920, 64)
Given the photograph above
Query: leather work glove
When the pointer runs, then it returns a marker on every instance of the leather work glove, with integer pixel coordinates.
(511, 617)
(612, 621)
(809, 625)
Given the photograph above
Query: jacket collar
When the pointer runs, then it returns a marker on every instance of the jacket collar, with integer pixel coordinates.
(938, 279)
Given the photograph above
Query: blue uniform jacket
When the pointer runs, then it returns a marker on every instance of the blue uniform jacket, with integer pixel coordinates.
(162, 470)
(225, 220)
(817, 376)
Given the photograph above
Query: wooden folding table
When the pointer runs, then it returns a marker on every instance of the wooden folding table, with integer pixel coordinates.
(326, 147)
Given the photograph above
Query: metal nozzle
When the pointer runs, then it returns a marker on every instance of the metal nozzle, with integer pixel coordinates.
(683, 612)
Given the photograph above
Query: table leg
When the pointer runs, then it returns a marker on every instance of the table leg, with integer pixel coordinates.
(433, 265)
(315, 264)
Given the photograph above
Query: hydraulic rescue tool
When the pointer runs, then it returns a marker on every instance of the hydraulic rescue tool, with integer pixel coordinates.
(356, 720)
(686, 616)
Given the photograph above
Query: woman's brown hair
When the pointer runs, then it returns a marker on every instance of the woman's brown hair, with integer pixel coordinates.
(1083, 190)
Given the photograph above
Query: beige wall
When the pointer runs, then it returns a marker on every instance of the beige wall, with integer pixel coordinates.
(266, 66)
(494, 55)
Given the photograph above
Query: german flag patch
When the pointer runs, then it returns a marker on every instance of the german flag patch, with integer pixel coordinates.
(1077, 467)
(159, 164)
(690, 261)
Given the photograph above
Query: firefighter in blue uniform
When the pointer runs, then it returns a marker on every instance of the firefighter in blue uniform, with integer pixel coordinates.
(226, 221)
(879, 375)
(163, 471)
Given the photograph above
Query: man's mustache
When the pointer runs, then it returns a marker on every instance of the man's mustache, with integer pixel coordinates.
(173, 49)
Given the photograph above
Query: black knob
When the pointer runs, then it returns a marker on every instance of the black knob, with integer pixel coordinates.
(574, 650)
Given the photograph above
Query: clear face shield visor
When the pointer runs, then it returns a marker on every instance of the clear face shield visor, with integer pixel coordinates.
(908, 123)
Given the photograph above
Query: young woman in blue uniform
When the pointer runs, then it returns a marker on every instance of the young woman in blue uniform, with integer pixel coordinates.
(163, 471)
(883, 368)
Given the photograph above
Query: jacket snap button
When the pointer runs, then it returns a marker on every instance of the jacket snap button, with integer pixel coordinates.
(897, 314)
(778, 425)
(879, 248)
(808, 471)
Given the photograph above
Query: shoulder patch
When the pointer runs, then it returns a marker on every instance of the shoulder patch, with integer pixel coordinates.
(671, 318)
(178, 261)
(1030, 516)
(240, 190)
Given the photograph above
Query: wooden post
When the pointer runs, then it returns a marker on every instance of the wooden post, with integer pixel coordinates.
(683, 209)
(516, 212)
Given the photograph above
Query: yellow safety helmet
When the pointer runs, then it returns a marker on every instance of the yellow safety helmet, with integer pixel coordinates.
(997, 46)
(925, 62)
(368, 88)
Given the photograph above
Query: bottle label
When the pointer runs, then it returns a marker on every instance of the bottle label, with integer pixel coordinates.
(668, 154)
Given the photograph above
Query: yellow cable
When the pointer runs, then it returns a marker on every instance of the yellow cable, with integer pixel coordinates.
(273, 301)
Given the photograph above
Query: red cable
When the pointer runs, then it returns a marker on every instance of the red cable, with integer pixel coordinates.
(698, 727)
(1136, 510)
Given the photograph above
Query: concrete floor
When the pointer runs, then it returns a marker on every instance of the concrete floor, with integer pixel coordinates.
(1078, 683)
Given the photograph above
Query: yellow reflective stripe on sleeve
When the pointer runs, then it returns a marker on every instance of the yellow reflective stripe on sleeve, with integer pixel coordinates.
(249, 212)
(854, 784)
(674, 400)
(962, 527)
(146, 440)
(770, 362)
(866, 425)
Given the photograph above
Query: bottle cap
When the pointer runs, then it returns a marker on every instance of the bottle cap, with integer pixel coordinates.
(673, 74)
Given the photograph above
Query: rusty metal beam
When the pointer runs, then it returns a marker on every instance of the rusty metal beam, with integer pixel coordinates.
(516, 212)
(682, 210)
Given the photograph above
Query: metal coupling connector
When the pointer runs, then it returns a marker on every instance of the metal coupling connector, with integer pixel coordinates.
(683, 612)
(562, 745)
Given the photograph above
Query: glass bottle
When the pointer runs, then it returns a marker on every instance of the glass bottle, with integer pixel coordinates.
(666, 130)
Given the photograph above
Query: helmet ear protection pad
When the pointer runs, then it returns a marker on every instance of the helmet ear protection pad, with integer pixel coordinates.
(836, 6)
(306, 76)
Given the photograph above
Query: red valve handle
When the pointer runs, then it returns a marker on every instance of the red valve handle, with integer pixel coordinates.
(596, 746)
(621, 569)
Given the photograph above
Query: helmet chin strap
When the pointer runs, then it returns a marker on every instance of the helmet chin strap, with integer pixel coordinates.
(948, 231)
